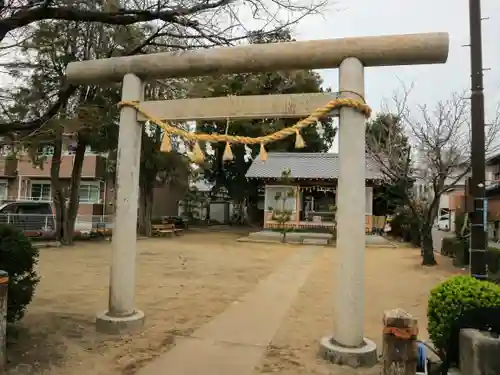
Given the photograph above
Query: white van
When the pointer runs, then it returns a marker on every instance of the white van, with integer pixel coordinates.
(443, 222)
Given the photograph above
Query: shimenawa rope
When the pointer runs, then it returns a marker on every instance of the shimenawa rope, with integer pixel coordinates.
(197, 153)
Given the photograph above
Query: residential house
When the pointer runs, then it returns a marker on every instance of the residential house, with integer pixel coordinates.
(20, 180)
(493, 187)
(492, 174)
(205, 203)
(493, 195)
(452, 200)
(457, 196)
(313, 178)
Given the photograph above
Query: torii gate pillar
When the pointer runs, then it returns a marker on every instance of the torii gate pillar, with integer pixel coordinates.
(122, 315)
(348, 345)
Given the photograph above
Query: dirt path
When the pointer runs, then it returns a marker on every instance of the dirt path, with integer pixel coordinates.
(235, 340)
(393, 279)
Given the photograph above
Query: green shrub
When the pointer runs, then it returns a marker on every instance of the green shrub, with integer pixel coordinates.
(450, 246)
(405, 226)
(493, 262)
(452, 298)
(18, 257)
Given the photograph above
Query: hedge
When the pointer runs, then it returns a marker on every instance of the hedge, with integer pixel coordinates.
(452, 245)
(458, 249)
(451, 299)
(19, 258)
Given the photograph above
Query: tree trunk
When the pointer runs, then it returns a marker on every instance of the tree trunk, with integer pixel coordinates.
(74, 192)
(207, 206)
(427, 246)
(57, 190)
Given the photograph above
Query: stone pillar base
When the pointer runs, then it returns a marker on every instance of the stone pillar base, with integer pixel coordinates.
(364, 356)
(117, 325)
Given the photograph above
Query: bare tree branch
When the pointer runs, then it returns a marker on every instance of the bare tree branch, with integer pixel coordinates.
(438, 140)
(177, 25)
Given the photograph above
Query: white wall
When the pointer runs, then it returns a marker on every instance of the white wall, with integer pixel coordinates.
(491, 171)
(369, 200)
(444, 201)
(217, 212)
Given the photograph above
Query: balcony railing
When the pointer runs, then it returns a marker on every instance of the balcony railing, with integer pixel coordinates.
(44, 225)
(44, 200)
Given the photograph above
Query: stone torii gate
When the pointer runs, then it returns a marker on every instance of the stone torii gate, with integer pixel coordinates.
(351, 55)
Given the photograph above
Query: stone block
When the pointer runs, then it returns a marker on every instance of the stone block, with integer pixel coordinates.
(479, 352)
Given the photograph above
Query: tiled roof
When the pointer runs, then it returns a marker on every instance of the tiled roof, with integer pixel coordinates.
(304, 165)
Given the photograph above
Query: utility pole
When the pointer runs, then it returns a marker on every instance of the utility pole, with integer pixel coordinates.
(478, 164)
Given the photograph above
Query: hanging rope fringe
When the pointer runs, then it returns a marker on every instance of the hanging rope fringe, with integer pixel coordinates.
(319, 113)
(198, 156)
(262, 153)
(166, 144)
(228, 154)
(299, 141)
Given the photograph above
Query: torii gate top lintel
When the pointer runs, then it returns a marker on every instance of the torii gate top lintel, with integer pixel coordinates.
(409, 49)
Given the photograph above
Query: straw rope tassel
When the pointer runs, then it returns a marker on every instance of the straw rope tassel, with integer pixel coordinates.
(263, 152)
(166, 144)
(299, 141)
(228, 154)
(198, 156)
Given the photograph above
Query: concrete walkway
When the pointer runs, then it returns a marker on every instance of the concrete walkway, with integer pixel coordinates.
(235, 341)
(309, 238)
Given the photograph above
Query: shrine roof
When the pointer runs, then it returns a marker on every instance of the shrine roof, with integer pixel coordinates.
(305, 166)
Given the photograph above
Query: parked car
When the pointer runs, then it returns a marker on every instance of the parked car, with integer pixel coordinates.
(33, 218)
(443, 222)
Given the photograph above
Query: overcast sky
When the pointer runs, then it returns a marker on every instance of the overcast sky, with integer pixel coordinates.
(432, 82)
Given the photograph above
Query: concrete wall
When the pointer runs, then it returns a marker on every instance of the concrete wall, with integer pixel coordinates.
(478, 353)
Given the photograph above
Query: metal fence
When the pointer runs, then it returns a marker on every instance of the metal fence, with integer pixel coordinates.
(44, 225)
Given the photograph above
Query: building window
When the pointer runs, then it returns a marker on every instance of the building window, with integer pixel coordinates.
(41, 191)
(4, 186)
(90, 193)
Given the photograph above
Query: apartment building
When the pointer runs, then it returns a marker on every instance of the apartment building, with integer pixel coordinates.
(492, 187)
(457, 198)
(21, 180)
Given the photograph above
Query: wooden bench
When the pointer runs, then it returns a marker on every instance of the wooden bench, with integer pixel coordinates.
(164, 229)
(100, 230)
